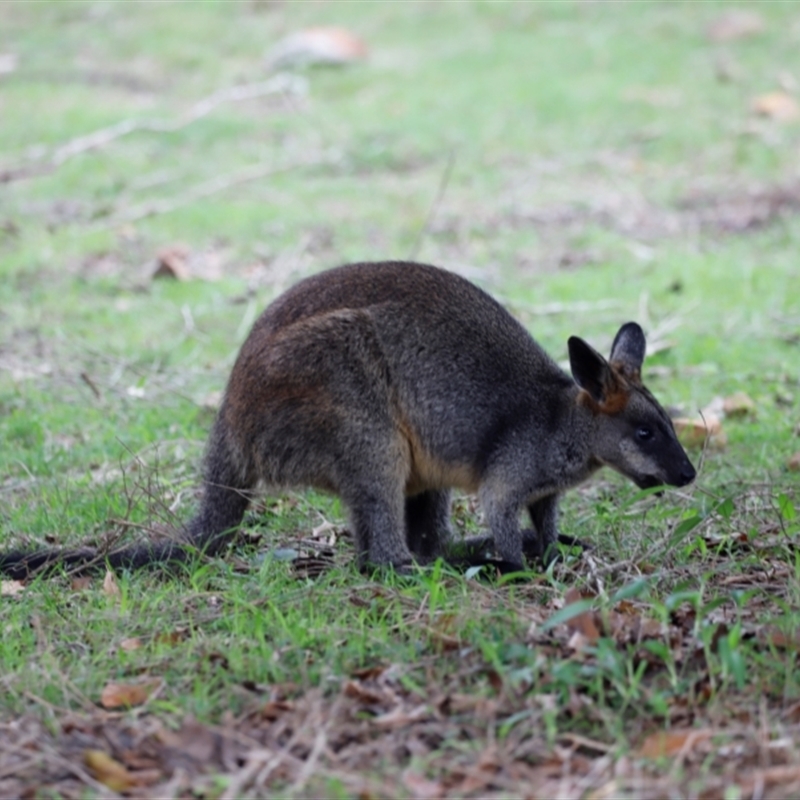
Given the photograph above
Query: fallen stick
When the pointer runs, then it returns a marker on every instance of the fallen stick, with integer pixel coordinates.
(252, 172)
(281, 83)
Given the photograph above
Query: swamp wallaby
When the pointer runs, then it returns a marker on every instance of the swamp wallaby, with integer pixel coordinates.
(391, 383)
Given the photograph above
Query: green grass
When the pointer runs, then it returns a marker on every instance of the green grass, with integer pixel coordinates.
(600, 165)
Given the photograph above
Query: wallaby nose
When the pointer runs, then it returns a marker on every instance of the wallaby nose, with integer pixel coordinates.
(688, 473)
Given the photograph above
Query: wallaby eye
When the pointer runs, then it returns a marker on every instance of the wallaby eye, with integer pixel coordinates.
(644, 434)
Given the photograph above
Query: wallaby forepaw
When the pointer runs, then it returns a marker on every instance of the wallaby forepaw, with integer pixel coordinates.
(535, 549)
(554, 552)
(506, 567)
(573, 541)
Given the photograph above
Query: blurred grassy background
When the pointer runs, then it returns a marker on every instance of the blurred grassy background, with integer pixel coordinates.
(602, 157)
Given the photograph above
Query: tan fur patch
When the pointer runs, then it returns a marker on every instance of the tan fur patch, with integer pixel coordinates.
(429, 472)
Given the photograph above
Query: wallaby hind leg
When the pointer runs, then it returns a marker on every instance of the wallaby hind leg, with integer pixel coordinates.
(428, 530)
(377, 513)
(319, 409)
(371, 470)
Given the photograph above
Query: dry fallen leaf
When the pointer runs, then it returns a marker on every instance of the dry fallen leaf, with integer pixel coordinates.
(126, 695)
(363, 694)
(80, 584)
(193, 740)
(794, 463)
(583, 623)
(108, 771)
(273, 709)
(735, 24)
(779, 106)
(11, 588)
(370, 673)
(173, 262)
(662, 744)
(775, 636)
(474, 705)
(172, 637)
(478, 780)
(626, 607)
(442, 642)
(134, 643)
(738, 404)
(633, 627)
(693, 432)
(578, 643)
(786, 777)
(331, 46)
(110, 586)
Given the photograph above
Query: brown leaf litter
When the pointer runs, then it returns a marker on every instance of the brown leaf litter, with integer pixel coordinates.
(433, 745)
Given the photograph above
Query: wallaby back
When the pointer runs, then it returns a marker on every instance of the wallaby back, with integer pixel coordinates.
(391, 383)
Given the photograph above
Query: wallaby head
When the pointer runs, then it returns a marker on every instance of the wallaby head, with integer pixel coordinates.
(631, 432)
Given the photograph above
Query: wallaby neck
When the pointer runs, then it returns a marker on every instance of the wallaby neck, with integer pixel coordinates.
(578, 436)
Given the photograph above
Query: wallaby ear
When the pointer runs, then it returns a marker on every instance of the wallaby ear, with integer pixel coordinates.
(627, 352)
(589, 368)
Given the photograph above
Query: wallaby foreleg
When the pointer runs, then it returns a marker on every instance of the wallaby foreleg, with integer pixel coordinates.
(503, 520)
(544, 515)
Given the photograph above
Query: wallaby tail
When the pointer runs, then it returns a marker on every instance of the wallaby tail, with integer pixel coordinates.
(228, 478)
(21, 564)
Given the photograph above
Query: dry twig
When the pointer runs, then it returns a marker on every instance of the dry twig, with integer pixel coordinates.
(252, 172)
(281, 83)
